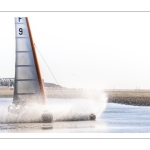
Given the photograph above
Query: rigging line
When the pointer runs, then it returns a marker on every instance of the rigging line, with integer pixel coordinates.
(46, 64)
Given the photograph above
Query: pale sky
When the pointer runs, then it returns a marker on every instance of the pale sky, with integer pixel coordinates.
(85, 50)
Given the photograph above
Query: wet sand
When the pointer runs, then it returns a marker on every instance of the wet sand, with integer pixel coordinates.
(55, 127)
(130, 97)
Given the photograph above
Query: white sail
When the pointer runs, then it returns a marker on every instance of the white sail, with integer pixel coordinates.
(28, 86)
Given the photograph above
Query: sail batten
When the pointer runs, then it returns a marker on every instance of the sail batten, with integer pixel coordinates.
(25, 93)
(21, 65)
(28, 81)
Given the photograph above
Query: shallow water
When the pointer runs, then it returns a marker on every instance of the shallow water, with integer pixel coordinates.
(126, 118)
(111, 118)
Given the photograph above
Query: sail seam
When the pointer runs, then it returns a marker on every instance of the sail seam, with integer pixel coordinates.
(24, 93)
(21, 37)
(19, 23)
(24, 65)
(26, 80)
(23, 51)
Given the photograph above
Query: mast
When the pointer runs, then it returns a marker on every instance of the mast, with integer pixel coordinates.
(36, 62)
(28, 85)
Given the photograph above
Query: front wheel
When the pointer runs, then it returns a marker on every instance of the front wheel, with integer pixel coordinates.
(47, 117)
(14, 109)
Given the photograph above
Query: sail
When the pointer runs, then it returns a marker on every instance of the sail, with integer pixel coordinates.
(28, 85)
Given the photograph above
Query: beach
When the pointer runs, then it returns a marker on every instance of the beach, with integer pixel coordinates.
(129, 97)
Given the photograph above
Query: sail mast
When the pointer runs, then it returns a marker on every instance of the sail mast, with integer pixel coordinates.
(36, 62)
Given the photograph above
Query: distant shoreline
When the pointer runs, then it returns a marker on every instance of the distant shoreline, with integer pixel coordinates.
(128, 97)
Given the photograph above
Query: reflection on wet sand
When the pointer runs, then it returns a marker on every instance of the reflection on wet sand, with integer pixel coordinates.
(56, 127)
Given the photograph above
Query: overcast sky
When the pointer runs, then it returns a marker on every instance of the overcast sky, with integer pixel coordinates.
(85, 50)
